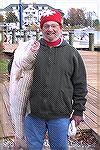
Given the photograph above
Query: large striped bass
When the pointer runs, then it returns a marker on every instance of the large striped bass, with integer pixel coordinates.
(20, 83)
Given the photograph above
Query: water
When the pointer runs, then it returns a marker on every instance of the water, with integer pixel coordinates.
(85, 34)
(97, 37)
(81, 37)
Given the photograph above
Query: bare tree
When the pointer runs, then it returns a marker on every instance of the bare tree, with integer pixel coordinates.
(11, 18)
(76, 17)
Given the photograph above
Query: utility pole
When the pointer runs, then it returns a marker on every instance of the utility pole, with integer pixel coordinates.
(20, 15)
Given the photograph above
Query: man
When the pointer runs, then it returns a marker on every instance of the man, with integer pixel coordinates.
(59, 87)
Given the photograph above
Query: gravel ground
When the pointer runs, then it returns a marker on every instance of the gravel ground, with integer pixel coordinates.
(84, 140)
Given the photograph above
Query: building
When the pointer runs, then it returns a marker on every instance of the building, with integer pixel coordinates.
(31, 12)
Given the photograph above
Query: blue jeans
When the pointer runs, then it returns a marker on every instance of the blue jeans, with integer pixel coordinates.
(35, 129)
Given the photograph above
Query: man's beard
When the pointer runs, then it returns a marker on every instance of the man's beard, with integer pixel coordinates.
(52, 39)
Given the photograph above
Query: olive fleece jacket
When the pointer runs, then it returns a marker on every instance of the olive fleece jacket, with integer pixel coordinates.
(59, 82)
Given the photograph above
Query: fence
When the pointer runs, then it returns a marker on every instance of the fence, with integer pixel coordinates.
(16, 35)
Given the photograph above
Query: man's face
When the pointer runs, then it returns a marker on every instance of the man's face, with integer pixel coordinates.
(51, 31)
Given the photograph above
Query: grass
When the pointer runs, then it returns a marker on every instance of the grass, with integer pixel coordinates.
(3, 66)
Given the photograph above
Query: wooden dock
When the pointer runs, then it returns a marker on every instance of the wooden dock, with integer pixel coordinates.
(92, 113)
(10, 48)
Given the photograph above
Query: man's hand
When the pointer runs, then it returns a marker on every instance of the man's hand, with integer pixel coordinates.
(77, 119)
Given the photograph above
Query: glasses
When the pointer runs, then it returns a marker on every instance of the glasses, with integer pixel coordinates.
(46, 26)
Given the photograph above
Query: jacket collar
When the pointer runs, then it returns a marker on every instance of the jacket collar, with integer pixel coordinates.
(63, 43)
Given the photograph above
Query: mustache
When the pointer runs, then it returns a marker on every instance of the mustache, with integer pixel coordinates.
(49, 33)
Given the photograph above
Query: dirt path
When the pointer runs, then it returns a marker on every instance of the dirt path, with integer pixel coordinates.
(3, 77)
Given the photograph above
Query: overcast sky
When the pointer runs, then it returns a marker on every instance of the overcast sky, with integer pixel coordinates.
(64, 5)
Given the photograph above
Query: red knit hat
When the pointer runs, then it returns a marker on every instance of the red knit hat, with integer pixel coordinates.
(51, 15)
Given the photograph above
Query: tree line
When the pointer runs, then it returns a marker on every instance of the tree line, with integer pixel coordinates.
(74, 17)
(78, 17)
